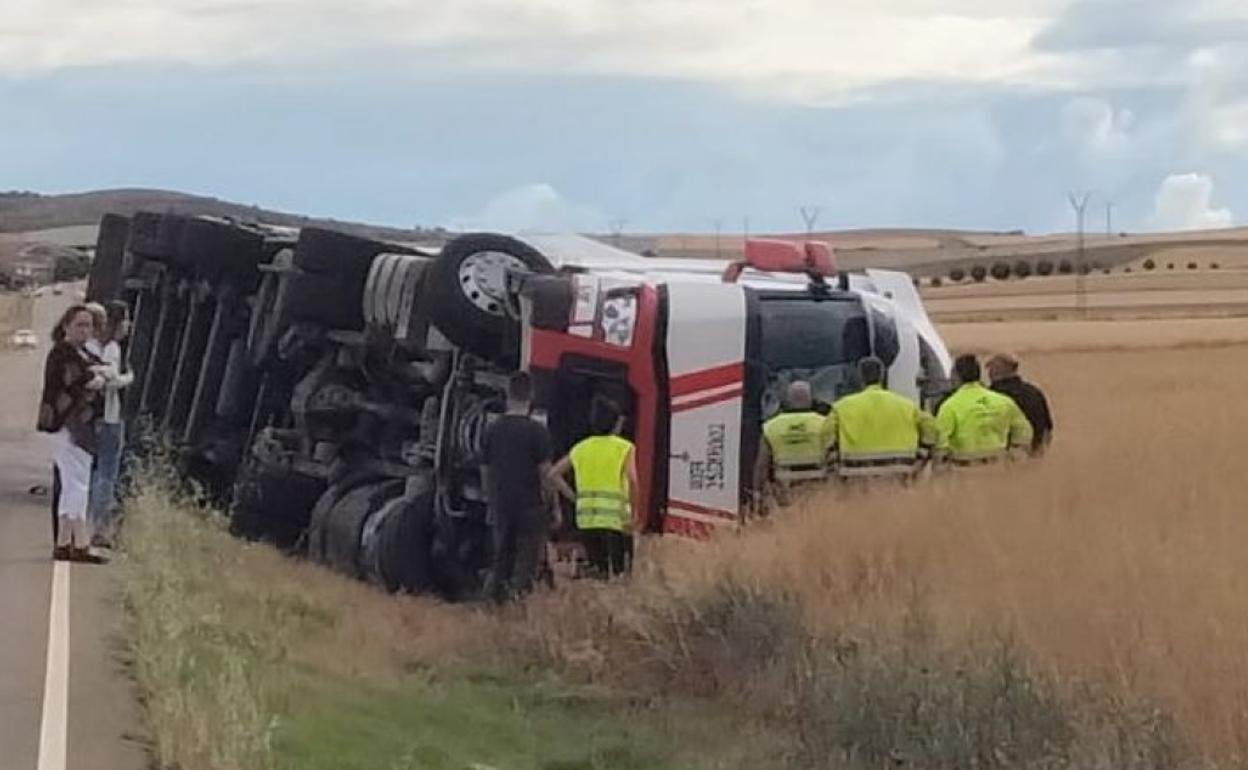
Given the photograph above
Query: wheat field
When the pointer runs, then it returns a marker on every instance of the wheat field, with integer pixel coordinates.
(1118, 559)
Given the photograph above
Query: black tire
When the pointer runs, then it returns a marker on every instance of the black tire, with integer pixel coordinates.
(345, 524)
(318, 521)
(272, 504)
(286, 298)
(400, 554)
(454, 309)
(329, 252)
(215, 249)
(324, 300)
(156, 236)
(105, 280)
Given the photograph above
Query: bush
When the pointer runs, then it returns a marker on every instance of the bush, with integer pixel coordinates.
(1044, 267)
(979, 273)
(1191, 265)
(1149, 264)
(1022, 268)
(1214, 266)
(1106, 271)
(1127, 269)
(936, 281)
(1000, 271)
(957, 274)
(1169, 265)
(1065, 267)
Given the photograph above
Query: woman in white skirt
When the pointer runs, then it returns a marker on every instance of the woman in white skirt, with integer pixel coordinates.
(71, 403)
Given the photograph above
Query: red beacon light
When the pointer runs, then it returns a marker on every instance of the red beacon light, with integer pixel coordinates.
(811, 258)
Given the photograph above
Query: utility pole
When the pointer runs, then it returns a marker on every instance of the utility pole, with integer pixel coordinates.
(617, 229)
(810, 215)
(1109, 220)
(1079, 202)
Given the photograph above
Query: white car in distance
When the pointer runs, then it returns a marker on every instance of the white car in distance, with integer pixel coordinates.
(24, 338)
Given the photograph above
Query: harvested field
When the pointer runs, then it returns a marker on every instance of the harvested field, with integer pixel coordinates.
(1109, 336)
(1166, 294)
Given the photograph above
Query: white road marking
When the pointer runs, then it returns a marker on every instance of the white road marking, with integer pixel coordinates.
(53, 730)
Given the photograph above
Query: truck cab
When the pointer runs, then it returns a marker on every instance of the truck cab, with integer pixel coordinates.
(699, 361)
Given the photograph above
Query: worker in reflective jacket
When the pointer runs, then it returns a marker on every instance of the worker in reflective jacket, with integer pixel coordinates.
(604, 469)
(795, 442)
(878, 433)
(979, 425)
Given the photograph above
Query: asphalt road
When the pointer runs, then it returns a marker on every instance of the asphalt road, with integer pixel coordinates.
(74, 708)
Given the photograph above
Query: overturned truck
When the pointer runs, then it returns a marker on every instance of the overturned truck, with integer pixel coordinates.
(331, 391)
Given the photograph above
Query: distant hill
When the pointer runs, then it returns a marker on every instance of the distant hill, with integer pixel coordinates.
(23, 212)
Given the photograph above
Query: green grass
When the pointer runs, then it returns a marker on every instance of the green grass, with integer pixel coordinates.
(462, 723)
(247, 660)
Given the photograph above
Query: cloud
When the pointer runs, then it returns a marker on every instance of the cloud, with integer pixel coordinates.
(533, 207)
(1185, 202)
(1130, 24)
(1096, 126)
(803, 48)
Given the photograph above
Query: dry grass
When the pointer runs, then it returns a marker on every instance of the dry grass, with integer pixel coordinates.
(221, 630)
(1109, 577)
(1118, 559)
(1088, 610)
(248, 660)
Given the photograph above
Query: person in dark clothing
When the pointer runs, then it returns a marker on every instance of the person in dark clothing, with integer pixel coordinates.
(515, 462)
(1004, 378)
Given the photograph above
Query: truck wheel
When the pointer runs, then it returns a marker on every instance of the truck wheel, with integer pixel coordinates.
(318, 521)
(345, 526)
(272, 503)
(214, 249)
(104, 282)
(467, 288)
(156, 236)
(402, 551)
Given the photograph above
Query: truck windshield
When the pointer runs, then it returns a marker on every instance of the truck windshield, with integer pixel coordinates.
(804, 333)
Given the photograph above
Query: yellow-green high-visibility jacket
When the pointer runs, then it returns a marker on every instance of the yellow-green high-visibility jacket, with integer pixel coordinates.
(601, 484)
(799, 445)
(878, 432)
(980, 425)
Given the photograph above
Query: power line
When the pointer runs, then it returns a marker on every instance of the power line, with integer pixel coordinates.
(1079, 202)
(810, 215)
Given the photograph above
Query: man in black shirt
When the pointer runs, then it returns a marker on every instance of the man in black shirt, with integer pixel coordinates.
(515, 461)
(1003, 374)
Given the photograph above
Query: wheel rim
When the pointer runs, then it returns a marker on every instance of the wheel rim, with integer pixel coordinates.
(483, 279)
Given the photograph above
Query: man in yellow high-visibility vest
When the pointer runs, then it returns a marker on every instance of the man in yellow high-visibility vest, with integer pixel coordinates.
(878, 433)
(604, 468)
(795, 444)
(980, 425)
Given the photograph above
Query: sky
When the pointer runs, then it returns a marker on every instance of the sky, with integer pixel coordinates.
(642, 115)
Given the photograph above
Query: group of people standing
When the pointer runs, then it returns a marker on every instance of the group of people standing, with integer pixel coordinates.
(875, 433)
(84, 376)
